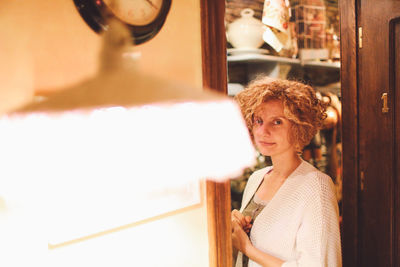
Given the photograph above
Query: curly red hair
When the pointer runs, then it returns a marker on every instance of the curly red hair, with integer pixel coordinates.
(301, 106)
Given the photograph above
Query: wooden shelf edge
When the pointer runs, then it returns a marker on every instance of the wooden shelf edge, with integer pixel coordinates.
(247, 58)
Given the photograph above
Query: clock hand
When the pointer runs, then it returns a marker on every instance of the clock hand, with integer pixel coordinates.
(152, 4)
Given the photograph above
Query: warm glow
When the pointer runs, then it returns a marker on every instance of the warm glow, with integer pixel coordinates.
(83, 172)
(127, 143)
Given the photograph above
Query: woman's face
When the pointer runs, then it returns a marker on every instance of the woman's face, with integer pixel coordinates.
(271, 130)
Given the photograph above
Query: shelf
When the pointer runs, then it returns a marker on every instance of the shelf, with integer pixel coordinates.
(334, 65)
(261, 58)
(244, 58)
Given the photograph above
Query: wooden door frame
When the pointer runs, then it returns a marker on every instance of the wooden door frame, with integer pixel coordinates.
(349, 95)
(395, 84)
(214, 71)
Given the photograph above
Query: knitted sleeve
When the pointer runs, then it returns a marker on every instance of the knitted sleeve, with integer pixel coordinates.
(318, 238)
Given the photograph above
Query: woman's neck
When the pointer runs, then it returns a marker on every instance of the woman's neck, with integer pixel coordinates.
(284, 166)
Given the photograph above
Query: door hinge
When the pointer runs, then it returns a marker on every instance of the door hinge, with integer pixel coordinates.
(360, 36)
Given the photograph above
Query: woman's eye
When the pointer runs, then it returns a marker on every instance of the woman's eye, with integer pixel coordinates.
(277, 122)
(259, 121)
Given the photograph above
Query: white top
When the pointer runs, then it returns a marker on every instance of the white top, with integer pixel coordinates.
(300, 224)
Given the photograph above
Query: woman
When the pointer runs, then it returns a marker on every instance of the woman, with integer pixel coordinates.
(289, 209)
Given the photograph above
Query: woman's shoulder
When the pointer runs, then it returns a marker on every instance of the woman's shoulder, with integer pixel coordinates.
(313, 174)
(315, 181)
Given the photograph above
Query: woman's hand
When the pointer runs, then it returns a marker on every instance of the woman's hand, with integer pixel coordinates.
(241, 242)
(243, 221)
(240, 239)
(241, 225)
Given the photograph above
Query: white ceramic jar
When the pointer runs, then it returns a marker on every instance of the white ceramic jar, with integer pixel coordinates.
(246, 32)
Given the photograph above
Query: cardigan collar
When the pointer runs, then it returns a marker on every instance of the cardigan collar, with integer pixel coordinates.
(259, 177)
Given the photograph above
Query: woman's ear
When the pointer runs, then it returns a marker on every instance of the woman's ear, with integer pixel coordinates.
(294, 141)
(299, 149)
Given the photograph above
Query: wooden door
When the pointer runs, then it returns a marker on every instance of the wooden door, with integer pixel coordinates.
(378, 128)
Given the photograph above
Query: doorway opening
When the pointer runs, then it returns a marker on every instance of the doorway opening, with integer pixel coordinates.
(310, 54)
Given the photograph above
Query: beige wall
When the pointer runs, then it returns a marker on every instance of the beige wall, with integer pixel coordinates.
(178, 241)
(45, 45)
(16, 66)
(175, 53)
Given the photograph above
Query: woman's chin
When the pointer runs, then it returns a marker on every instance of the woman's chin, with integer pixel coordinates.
(265, 152)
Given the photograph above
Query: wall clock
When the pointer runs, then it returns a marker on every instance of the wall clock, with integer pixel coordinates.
(144, 18)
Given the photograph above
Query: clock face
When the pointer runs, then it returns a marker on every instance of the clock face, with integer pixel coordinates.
(135, 12)
(144, 18)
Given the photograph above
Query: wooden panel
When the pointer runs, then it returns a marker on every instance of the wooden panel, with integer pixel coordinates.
(348, 37)
(395, 85)
(215, 78)
(376, 139)
(213, 45)
(219, 228)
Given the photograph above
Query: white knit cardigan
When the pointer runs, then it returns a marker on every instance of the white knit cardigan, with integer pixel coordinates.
(300, 225)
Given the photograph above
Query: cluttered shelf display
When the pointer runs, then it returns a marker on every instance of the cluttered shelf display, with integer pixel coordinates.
(304, 29)
(296, 39)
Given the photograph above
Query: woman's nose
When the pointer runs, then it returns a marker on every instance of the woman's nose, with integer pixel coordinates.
(265, 129)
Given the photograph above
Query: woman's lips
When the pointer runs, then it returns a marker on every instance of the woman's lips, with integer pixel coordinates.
(266, 143)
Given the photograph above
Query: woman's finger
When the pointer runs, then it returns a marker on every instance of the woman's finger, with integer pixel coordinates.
(242, 220)
(248, 219)
(236, 215)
